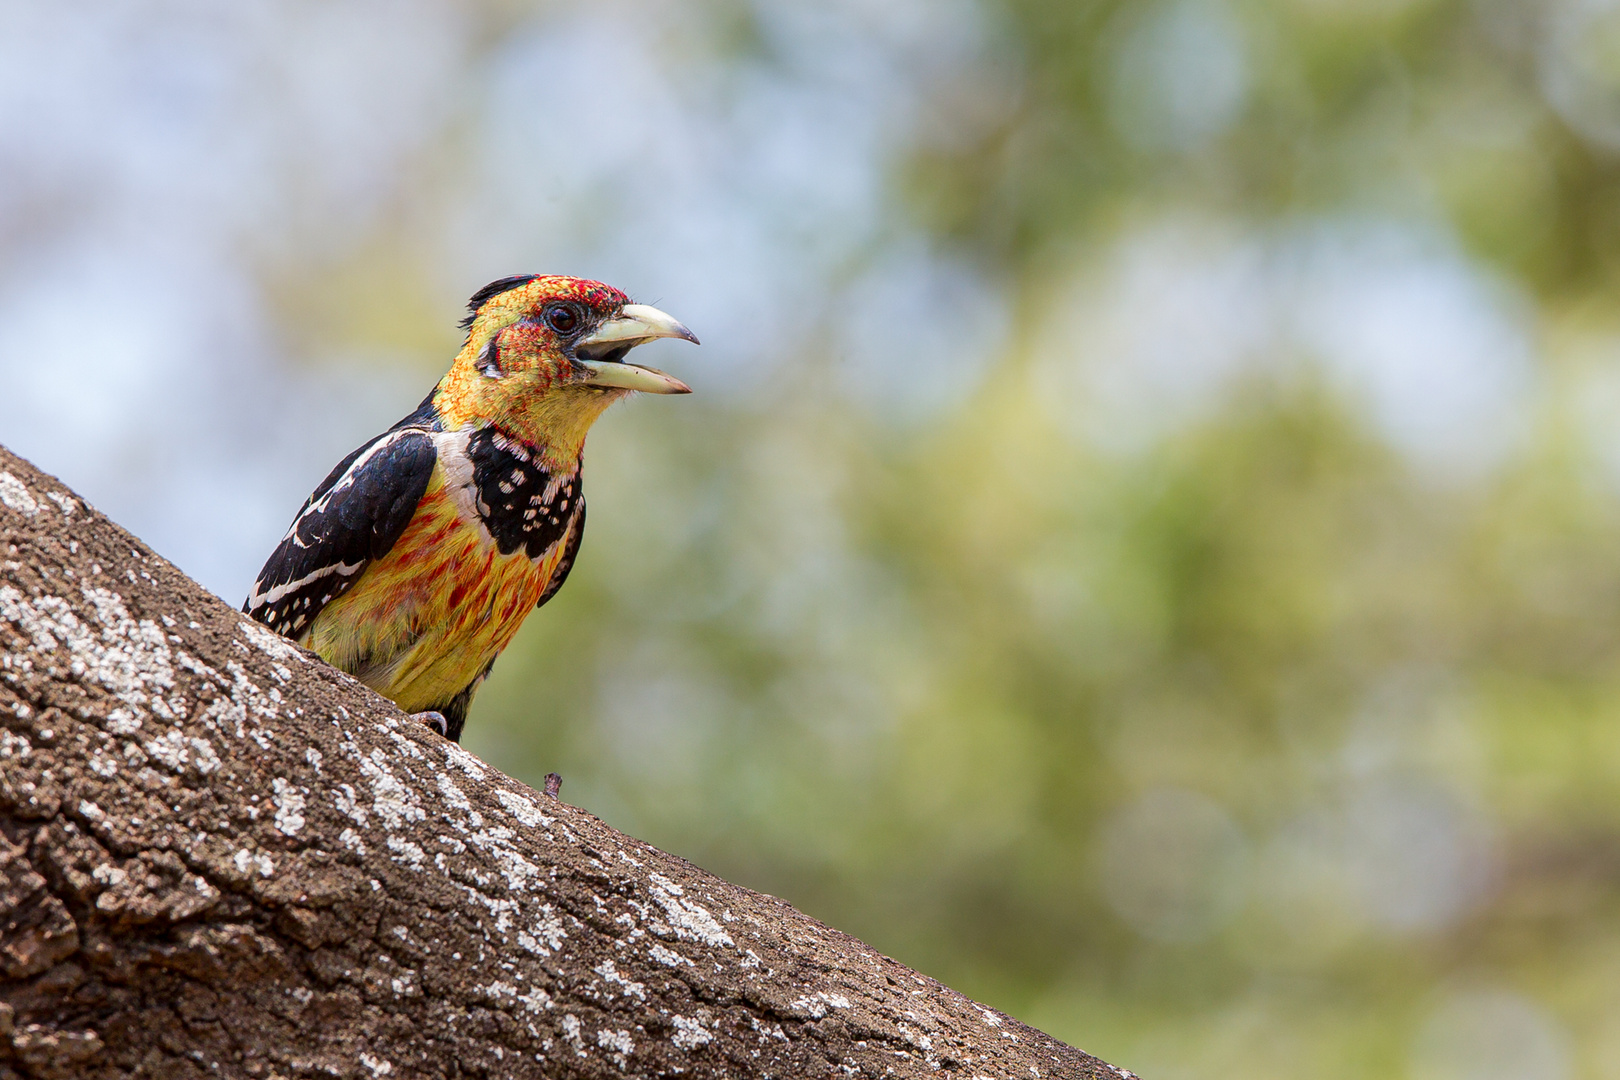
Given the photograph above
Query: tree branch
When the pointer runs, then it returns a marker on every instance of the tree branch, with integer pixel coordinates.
(219, 856)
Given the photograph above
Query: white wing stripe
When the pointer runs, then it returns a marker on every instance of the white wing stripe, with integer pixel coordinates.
(347, 480)
(345, 569)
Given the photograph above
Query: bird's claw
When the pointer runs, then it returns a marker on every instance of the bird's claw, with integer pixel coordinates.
(553, 784)
(434, 720)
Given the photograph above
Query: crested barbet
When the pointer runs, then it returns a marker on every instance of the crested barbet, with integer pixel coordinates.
(418, 557)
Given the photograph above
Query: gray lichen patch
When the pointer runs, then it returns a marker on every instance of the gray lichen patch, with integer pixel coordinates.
(15, 494)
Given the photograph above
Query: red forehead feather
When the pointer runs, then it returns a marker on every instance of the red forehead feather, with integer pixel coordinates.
(592, 294)
(536, 289)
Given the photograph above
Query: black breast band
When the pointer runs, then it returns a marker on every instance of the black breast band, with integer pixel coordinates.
(522, 503)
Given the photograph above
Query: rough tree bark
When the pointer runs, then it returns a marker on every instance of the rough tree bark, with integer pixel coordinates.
(219, 856)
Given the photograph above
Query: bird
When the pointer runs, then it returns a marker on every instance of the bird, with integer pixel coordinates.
(412, 565)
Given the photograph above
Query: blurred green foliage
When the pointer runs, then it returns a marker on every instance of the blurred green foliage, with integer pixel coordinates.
(1250, 748)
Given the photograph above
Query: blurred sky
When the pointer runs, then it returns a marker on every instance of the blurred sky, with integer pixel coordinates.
(1144, 545)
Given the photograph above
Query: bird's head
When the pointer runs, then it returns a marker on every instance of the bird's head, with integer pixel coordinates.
(546, 355)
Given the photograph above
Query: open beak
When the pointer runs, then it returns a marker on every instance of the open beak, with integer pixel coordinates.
(602, 354)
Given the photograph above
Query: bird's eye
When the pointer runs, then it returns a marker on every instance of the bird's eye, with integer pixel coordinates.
(562, 319)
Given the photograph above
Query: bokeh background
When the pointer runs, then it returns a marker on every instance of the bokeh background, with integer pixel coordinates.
(1145, 548)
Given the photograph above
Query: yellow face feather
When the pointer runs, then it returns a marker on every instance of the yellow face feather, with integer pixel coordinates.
(514, 371)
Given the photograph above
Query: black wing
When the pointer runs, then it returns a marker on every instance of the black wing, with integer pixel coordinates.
(355, 516)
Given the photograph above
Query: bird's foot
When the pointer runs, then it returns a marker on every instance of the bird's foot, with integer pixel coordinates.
(553, 784)
(434, 720)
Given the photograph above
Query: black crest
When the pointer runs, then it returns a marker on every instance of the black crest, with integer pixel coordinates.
(493, 289)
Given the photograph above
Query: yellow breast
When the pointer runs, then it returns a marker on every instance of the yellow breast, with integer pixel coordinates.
(427, 619)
